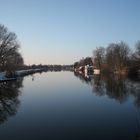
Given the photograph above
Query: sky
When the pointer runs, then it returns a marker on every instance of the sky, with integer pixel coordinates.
(64, 31)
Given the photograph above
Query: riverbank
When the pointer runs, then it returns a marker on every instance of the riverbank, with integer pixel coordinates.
(19, 73)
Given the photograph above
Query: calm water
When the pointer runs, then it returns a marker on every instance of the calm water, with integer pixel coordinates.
(64, 105)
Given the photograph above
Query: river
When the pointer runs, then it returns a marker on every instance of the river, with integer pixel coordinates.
(70, 106)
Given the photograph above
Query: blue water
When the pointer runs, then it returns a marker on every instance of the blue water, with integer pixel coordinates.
(64, 105)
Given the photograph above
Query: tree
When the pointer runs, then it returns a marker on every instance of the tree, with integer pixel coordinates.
(9, 49)
(137, 51)
(99, 57)
(88, 61)
(110, 57)
(134, 61)
(117, 56)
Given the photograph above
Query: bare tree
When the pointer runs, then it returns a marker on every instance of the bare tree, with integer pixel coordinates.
(9, 49)
(137, 51)
(117, 56)
(110, 57)
(98, 57)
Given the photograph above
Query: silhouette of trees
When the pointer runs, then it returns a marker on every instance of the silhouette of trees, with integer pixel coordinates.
(10, 57)
(134, 61)
(114, 58)
(88, 61)
(83, 62)
(117, 56)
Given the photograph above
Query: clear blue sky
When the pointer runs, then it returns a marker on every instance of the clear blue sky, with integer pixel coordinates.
(64, 31)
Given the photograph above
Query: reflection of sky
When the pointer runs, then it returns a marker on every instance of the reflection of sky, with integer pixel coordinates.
(63, 31)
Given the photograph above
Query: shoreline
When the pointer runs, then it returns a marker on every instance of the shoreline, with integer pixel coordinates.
(19, 73)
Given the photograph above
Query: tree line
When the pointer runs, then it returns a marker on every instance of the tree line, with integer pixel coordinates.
(116, 58)
(10, 57)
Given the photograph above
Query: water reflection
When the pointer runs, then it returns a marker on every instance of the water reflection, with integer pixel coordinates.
(115, 87)
(58, 106)
(9, 101)
(84, 78)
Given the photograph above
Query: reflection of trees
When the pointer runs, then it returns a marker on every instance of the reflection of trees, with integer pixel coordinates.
(83, 78)
(134, 89)
(9, 102)
(98, 85)
(116, 87)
